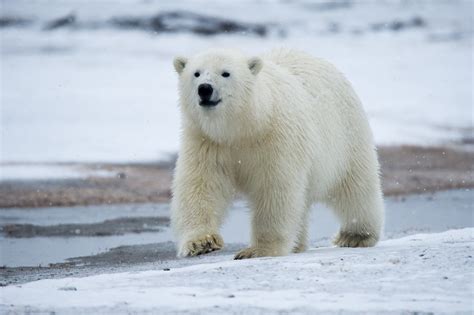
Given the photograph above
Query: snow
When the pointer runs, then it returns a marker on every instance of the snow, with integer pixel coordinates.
(111, 95)
(417, 273)
(11, 172)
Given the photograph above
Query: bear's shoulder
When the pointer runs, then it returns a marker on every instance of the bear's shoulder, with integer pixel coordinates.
(296, 61)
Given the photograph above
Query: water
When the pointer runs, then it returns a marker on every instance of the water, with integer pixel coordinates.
(408, 215)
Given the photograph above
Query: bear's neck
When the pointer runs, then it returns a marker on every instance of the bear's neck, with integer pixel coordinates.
(249, 127)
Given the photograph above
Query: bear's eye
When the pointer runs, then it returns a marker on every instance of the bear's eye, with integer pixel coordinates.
(225, 74)
(197, 74)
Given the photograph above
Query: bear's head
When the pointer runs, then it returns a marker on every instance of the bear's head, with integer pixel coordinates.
(217, 92)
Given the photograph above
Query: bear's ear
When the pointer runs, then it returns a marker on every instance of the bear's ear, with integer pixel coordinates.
(179, 63)
(255, 65)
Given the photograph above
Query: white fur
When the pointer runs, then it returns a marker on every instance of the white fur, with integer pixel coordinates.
(289, 132)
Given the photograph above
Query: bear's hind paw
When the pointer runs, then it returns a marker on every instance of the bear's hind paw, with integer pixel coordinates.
(300, 248)
(202, 245)
(353, 239)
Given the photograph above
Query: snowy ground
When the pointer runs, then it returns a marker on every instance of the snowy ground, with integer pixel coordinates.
(27, 172)
(106, 94)
(418, 273)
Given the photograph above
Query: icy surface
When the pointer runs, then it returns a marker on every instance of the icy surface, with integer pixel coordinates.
(97, 93)
(418, 273)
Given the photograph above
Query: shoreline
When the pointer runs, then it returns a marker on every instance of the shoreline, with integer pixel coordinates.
(115, 247)
(404, 170)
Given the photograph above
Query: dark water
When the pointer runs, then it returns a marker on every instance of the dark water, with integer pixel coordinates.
(407, 215)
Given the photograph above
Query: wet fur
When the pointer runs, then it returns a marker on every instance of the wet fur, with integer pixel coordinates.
(288, 134)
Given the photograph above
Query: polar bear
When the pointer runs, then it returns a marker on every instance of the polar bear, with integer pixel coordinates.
(284, 129)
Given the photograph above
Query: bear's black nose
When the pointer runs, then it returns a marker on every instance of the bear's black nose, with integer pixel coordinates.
(205, 91)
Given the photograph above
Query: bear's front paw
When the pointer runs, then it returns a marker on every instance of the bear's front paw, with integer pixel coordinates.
(354, 239)
(253, 252)
(202, 245)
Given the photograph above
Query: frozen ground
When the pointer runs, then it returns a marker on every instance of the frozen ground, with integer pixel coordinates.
(417, 273)
(92, 92)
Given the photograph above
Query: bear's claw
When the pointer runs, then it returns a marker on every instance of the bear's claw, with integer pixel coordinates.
(300, 248)
(203, 245)
(246, 253)
(351, 239)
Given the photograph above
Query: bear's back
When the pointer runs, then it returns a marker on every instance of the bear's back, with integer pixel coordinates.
(323, 81)
(334, 109)
(316, 75)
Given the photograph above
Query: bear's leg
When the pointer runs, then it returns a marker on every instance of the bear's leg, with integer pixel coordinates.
(301, 244)
(202, 191)
(197, 215)
(275, 222)
(358, 203)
